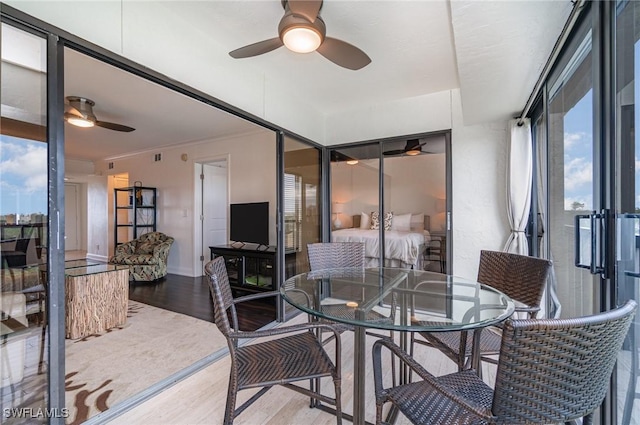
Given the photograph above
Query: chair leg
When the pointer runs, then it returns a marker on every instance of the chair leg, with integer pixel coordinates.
(632, 394)
(337, 383)
(229, 411)
(42, 348)
(378, 413)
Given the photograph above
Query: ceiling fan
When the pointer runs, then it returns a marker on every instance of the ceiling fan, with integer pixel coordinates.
(412, 148)
(79, 112)
(302, 30)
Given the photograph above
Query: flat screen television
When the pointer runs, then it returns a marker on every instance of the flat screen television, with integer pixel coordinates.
(250, 223)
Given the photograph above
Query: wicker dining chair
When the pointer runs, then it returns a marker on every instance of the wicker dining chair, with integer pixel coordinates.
(520, 277)
(343, 255)
(549, 371)
(295, 355)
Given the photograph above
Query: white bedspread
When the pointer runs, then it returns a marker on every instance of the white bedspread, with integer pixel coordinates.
(403, 246)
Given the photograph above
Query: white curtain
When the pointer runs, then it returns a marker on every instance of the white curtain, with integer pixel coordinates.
(519, 175)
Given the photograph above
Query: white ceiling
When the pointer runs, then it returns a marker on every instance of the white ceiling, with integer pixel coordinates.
(493, 51)
(161, 117)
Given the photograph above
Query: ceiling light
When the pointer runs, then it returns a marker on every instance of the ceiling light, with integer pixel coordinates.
(413, 152)
(301, 39)
(80, 121)
(352, 161)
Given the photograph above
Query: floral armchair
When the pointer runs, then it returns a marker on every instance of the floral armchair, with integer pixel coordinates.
(145, 256)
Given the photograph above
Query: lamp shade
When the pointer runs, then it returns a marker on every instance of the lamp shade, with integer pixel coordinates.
(338, 208)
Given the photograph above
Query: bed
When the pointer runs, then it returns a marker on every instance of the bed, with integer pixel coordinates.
(404, 246)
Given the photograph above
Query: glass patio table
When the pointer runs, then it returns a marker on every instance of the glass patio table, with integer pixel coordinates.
(397, 300)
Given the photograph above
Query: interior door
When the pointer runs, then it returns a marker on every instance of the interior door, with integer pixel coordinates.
(215, 201)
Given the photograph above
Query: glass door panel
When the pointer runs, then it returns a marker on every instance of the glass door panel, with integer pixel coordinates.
(23, 225)
(302, 205)
(627, 194)
(355, 198)
(571, 166)
(415, 197)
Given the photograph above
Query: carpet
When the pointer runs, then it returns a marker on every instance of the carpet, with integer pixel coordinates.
(105, 369)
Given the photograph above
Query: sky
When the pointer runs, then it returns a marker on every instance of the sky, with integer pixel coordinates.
(23, 176)
(578, 154)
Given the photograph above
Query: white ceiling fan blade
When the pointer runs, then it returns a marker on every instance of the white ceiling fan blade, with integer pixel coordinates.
(344, 54)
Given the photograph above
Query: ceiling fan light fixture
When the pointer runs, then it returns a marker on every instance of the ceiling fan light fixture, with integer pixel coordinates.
(413, 152)
(301, 39)
(352, 161)
(80, 122)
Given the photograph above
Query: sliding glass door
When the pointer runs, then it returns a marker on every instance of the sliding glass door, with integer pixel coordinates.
(572, 169)
(392, 196)
(627, 203)
(590, 185)
(355, 197)
(302, 207)
(23, 226)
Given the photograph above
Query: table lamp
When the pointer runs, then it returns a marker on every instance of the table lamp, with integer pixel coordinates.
(337, 209)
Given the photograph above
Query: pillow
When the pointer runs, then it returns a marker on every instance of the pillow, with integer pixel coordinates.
(417, 222)
(365, 221)
(375, 220)
(401, 222)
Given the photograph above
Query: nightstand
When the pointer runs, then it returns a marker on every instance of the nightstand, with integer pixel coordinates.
(436, 252)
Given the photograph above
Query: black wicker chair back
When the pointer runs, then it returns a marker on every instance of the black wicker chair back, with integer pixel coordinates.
(520, 277)
(554, 370)
(549, 371)
(279, 356)
(331, 255)
(223, 304)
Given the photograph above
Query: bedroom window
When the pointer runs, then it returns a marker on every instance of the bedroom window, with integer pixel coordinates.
(292, 211)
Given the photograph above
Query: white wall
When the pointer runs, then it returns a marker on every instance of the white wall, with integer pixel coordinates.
(252, 170)
(480, 221)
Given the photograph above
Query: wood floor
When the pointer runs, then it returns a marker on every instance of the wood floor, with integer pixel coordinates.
(190, 296)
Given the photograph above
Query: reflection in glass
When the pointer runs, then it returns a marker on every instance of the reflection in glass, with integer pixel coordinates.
(627, 192)
(413, 214)
(302, 190)
(355, 198)
(416, 201)
(570, 162)
(23, 221)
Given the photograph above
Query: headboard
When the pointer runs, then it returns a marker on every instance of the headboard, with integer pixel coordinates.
(427, 221)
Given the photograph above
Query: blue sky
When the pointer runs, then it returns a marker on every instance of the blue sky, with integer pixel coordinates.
(23, 176)
(578, 154)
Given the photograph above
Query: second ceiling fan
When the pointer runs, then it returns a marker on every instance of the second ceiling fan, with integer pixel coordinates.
(79, 112)
(412, 148)
(302, 30)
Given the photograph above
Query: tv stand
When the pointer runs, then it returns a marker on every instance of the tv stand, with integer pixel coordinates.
(252, 268)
